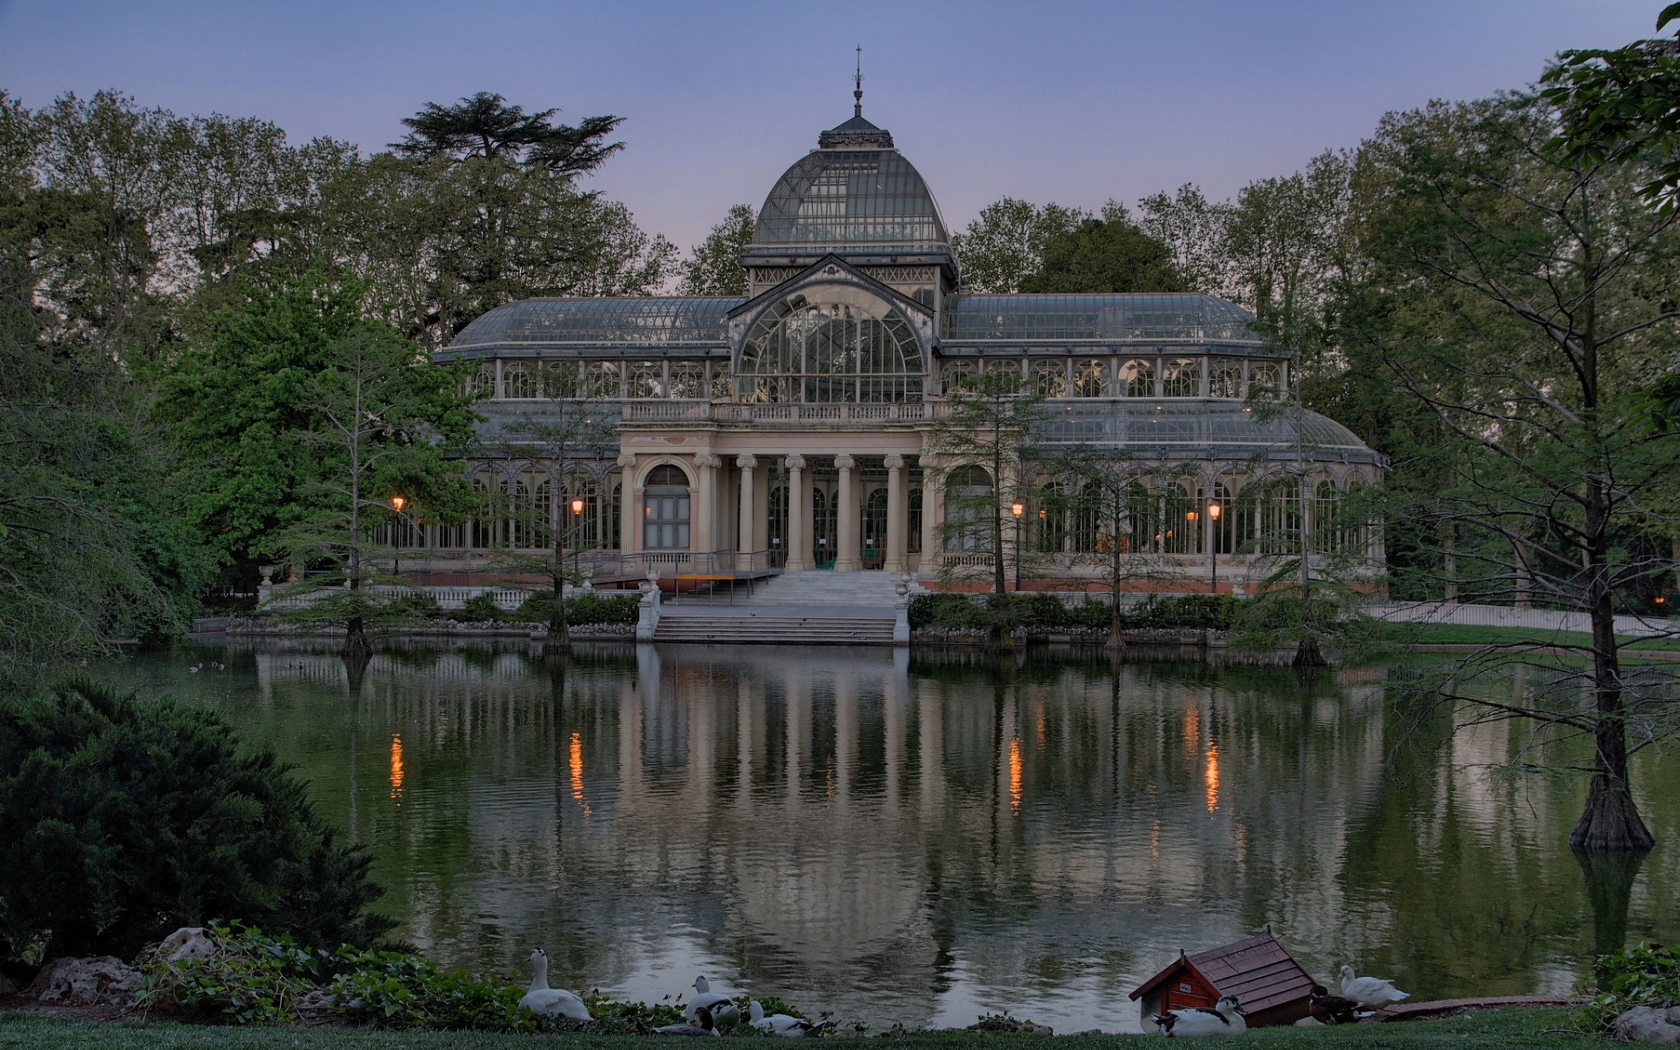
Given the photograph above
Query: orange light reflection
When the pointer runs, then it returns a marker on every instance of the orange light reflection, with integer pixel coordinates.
(1212, 776)
(574, 761)
(396, 766)
(1015, 775)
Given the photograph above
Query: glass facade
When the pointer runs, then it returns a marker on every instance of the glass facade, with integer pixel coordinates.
(857, 351)
(850, 199)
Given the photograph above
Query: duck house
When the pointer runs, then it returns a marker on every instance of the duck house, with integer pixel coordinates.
(1271, 986)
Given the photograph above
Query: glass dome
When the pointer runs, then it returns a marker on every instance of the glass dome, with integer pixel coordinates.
(846, 199)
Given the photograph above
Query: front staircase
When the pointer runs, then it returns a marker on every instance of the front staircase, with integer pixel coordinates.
(794, 608)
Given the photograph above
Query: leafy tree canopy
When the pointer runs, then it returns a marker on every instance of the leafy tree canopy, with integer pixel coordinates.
(1110, 254)
(484, 125)
(1005, 245)
(714, 267)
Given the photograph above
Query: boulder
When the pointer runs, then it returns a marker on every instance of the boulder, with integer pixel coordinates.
(6, 985)
(1649, 1024)
(95, 981)
(188, 942)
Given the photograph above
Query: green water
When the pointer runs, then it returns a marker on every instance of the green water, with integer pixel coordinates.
(922, 841)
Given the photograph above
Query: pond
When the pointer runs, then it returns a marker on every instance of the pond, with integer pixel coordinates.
(922, 840)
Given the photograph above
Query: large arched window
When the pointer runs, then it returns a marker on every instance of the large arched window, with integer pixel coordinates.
(843, 345)
(665, 509)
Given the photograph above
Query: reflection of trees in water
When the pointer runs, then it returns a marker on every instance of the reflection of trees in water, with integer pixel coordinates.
(823, 819)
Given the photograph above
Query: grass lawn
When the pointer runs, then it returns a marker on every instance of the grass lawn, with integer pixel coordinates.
(1468, 634)
(1499, 1028)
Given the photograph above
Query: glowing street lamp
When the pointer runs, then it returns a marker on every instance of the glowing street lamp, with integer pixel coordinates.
(1213, 549)
(1017, 508)
(577, 519)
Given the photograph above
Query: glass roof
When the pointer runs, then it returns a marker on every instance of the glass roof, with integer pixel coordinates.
(639, 321)
(848, 199)
(1164, 316)
(1202, 429)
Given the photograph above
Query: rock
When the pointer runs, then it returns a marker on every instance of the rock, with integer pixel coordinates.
(315, 1008)
(188, 942)
(6, 985)
(86, 982)
(1649, 1024)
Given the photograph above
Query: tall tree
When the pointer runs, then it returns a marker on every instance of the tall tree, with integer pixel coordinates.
(714, 267)
(1005, 245)
(1520, 302)
(484, 125)
(1110, 254)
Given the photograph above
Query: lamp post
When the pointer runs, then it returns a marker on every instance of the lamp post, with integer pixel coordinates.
(1017, 508)
(1213, 549)
(577, 519)
(397, 502)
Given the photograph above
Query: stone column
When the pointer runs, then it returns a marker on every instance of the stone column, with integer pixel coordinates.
(705, 503)
(933, 511)
(898, 514)
(743, 551)
(630, 506)
(799, 530)
(846, 534)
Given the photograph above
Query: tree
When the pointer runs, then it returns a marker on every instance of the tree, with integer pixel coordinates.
(1005, 245)
(983, 443)
(122, 819)
(1106, 484)
(570, 432)
(388, 426)
(714, 267)
(1520, 302)
(484, 125)
(1110, 254)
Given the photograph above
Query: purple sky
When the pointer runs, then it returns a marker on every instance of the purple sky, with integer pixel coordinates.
(1071, 102)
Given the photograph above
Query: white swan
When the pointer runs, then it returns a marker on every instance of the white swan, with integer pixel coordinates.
(1225, 1018)
(1373, 992)
(551, 1002)
(725, 1014)
(701, 1025)
(781, 1024)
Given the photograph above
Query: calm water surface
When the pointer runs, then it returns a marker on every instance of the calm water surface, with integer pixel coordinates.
(922, 840)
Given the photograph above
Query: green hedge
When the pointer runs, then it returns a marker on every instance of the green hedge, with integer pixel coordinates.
(583, 610)
(1048, 612)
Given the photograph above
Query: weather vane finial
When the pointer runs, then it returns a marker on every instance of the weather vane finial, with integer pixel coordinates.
(857, 85)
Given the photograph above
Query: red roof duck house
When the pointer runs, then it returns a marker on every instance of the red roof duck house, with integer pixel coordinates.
(1271, 986)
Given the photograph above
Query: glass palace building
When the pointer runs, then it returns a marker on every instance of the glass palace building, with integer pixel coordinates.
(795, 427)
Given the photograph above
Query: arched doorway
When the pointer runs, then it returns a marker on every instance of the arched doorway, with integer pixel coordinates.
(665, 509)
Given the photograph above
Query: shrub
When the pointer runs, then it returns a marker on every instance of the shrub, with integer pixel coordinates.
(480, 608)
(250, 978)
(414, 606)
(1044, 611)
(581, 610)
(1643, 975)
(122, 819)
(396, 990)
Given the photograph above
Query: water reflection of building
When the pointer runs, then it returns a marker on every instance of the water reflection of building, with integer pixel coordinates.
(921, 843)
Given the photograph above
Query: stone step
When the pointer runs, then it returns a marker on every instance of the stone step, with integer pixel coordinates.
(776, 630)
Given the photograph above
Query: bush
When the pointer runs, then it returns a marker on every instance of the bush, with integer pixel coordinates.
(122, 819)
(480, 608)
(413, 606)
(1643, 975)
(1044, 611)
(249, 979)
(581, 610)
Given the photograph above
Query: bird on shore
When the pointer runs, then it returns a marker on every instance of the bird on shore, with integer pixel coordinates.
(1332, 1009)
(781, 1024)
(1373, 992)
(725, 1014)
(701, 1025)
(551, 1002)
(1223, 1018)
(195, 668)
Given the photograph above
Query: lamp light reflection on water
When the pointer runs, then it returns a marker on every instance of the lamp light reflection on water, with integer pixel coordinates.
(1015, 775)
(1212, 776)
(574, 762)
(396, 767)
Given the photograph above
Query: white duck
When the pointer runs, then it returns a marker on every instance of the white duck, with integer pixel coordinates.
(781, 1024)
(1373, 992)
(550, 1002)
(1225, 1018)
(725, 1014)
(700, 1025)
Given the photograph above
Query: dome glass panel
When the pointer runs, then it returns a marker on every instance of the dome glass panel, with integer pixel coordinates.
(1120, 316)
(849, 199)
(658, 321)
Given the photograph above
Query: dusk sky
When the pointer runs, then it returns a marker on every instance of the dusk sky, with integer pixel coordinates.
(1070, 102)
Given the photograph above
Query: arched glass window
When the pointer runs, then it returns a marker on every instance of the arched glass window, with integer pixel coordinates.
(1088, 378)
(1139, 378)
(1263, 380)
(1225, 530)
(644, 380)
(532, 524)
(688, 379)
(1143, 520)
(957, 377)
(1326, 509)
(1050, 526)
(603, 379)
(519, 381)
(483, 381)
(968, 509)
(874, 526)
(1181, 518)
(847, 347)
(563, 379)
(1049, 378)
(913, 542)
(1182, 377)
(778, 537)
(665, 505)
(1085, 518)
(1225, 379)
